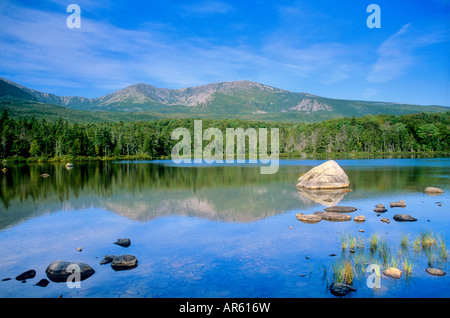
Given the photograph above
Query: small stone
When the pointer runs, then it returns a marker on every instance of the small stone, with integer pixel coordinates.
(26, 275)
(333, 216)
(124, 262)
(379, 206)
(399, 204)
(380, 210)
(107, 259)
(393, 272)
(42, 283)
(308, 218)
(435, 271)
(79, 249)
(385, 220)
(125, 242)
(341, 209)
(359, 218)
(404, 218)
(332, 254)
(360, 230)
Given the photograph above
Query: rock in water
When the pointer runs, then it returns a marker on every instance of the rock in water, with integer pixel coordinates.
(399, 204)
(333, 216)
(340, 209)
(341, 289)
(59, 271)
(433, 191)
(404, 218)
(26, 275)
(328, 175)
(308, 218)
(123, 262)
(359, 218)
(125, 242)
(435, 271)
(393, 272)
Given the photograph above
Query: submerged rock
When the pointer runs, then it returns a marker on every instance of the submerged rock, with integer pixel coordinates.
(399, 204)
(333, 216)
(308, 218)
(341, 289)
(404, 218)
(328, 175)
(433, 191)
(59, 271)
(435, 271)
(26, 275)
(341, 209)
(42, 283)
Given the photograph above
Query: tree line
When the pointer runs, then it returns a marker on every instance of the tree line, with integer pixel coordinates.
(22, 138)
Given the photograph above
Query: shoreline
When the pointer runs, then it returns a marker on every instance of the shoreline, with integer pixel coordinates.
(313, 156)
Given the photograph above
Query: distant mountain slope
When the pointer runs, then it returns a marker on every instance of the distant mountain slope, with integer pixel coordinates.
(238, 99)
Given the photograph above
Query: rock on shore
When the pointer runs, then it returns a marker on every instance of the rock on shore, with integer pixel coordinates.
(328, 175)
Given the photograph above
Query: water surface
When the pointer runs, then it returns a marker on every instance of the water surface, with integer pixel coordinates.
(210, 230)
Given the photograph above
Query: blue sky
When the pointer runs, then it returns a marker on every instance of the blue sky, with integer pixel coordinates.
(320, 47)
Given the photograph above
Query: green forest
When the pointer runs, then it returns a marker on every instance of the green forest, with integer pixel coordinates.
(33, 139)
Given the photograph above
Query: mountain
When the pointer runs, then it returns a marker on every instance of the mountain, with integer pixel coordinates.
(238, 99)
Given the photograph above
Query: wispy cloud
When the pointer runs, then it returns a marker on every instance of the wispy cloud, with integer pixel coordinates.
(396, 54)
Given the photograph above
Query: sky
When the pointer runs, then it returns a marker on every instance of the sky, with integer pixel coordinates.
(319, 47)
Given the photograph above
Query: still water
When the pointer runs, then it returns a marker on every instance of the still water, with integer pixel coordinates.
(213, 230)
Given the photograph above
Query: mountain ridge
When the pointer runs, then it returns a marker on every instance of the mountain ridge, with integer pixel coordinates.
(231, 99)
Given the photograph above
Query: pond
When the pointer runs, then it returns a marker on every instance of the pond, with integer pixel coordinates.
(210, 230)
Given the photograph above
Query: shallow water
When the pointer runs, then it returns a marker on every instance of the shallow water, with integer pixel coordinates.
(212, 230)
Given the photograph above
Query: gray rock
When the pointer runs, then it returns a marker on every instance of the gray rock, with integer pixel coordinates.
(26, 275)
(59, 271)
(341, 289)
(333, 216)
(308, 218)
(125, 242)
(404, 218)
(328, 175)
(435, 271)
(399, 204)
(340, 209)
(124, 262)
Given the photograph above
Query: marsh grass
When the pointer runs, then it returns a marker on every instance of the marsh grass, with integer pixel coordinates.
(352, 266)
